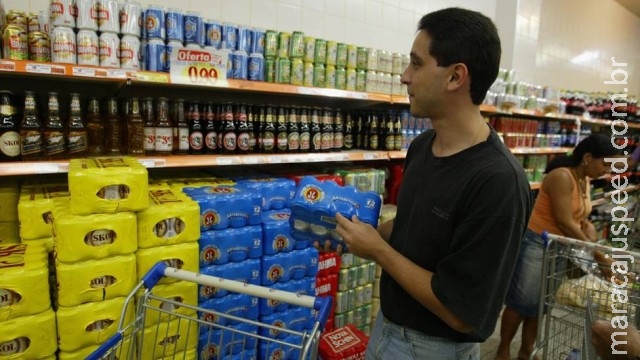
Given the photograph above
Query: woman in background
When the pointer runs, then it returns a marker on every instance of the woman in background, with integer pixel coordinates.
(562, 207)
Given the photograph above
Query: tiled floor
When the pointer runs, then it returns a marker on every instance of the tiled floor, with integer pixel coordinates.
(489, 347)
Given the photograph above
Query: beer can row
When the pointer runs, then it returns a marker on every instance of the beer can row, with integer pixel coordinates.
(31, 22)
(245, 67)
(97, 15)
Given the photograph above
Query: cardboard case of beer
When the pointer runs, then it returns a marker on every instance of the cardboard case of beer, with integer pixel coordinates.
(182, 292)
(24, 278)
(172, 218)
(9, 194)
(91, 323)
(345, 343)
(35, 210)
(9, 233)
(107, 185)
(85, 237)
(29, 337)
(181, 256)
(95, 280)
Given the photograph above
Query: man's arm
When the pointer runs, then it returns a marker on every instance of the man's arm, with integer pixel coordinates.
(385, 229)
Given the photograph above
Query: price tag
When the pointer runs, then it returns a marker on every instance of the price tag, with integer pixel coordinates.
(225, 160)
(199, 67)
(7, 65)
(116, 73)
(370, 156)
(148, 163)
(150, 76)
(274, 159)
(83, 71)
(44, 168)
(249, 160)
(45, 69)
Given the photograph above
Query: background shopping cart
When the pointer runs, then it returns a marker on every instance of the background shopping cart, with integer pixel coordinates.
(166, 329)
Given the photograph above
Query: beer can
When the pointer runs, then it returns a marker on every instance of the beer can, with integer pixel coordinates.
(396, 64)
(63, 45)
(109, 47)
(320, 56)
(229, 36)
(332, 53)
(343, 280)
(169, 49)
(39, 46)
(174, 25)
(308, 74)
(361, 59)
(351, 79)
(309, 49)
(256, 67)
(131, 19)
(230, 57)
(341, 55)
(244, 39)
(284, 39)
(372, 59)
(297, 45)
(297, 71)
(17, 18)
(283, 70)
(213, 31)
(108, 16)
(129, 54)
(330, 77)
(352, 56)
(361, 80)
(270, 43)
(87, 46)
(257, 40)
(339, 320)
(192, 24)
(155, 55)
(43, 19)
(193, 46)
(405, 61)
(87, 15)
(270, 69)
(33, 23)
(396, 85)
(371, 80)
(15, 43)
(240, 65)
(154, 22)
(61, 13)
(318, 75)
(341, 78)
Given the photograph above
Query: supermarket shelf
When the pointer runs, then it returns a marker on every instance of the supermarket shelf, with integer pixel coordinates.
(53, 70)
(608, 195)
(538, 115)
(539, 150)
(397, 154)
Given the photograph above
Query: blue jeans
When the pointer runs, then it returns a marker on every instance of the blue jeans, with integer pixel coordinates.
(392, 341)
(524, 291)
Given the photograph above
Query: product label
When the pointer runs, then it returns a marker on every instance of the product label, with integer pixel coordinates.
(304, 141)
(8, 297)
(32, 142)
(183, 139)
(10, 143)
(55, 143)
(164, 139)
(149, 139)
(168, 228)
(211, 140)
(78, 141)
(195, 140)
(14, 346)
(100, 237)
(229, 141)
(243, 141)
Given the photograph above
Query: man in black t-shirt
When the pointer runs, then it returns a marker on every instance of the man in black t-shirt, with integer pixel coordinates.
(463, 207)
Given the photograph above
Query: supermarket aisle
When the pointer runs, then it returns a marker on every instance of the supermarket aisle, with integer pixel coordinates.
(489, 347)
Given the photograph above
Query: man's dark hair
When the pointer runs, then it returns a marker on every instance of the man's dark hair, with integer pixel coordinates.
(468, 37)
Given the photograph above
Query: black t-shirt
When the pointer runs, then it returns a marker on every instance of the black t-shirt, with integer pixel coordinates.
(461, 217)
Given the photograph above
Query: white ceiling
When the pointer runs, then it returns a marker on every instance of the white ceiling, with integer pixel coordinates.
(631, 5)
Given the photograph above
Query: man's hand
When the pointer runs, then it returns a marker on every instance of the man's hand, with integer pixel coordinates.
(601, 340)
(361, 238)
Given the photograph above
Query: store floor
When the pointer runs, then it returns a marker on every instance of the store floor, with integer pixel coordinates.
(488, 348)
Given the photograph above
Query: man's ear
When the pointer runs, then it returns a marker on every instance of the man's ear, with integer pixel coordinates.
(458, 76)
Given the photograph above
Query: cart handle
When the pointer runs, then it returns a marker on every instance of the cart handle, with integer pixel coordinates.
(547, 237)
(105, 347)
(322, 304)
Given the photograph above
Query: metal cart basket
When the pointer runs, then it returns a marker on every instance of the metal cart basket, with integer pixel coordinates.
(176, 334)
(576, 290)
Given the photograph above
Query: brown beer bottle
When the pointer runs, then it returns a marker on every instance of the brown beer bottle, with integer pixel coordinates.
(326, 142)
(76, 129)
(135, 130)
(149, 126)
(305, 136)
(348, 132)
(31, 136)
(242, 129)
(374, 139)
(54, 137)
(269, 132)
(196, 128)
(251, 128)
(293, 138)
(338, 132)
(164, 128)
(9, 128)
(114, 134)
(315, 132)
(179, 119)
(210, 130)
(95, 128)
(229, 137)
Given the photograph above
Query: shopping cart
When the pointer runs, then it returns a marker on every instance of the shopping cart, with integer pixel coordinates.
(179, 328)
(576, 290)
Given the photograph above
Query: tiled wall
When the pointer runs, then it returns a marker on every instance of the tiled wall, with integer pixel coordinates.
(540, 44)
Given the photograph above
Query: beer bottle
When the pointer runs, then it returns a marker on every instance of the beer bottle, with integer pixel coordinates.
(359, 126)
(269, 133)
(258, 127)
(281, 130)
(164, 128)
(293, 139)
(135, 130)
(315, 132)
(389, 133)
(31, 136)
(181, 144)
(374, 143)
(196, 129)
(242, 129)
(251, 128)
(327, 130)
(366, 125)
(210, 130)
(305, 135)
(115, 135)
(54, 137)
(9, 128)
(149, 126)
(76, 130)
(229, 136)
(338, 129)
(95, 129)
(397, 131)
(348, 132)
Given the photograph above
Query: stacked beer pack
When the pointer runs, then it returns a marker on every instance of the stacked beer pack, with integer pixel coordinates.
(9, 195)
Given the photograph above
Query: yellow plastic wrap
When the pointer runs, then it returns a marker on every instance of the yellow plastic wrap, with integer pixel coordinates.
(107, 185)
(122, 352)
(169, 338)
(24, 280)
(35, 210)
(29, 337)
(46, 242)
(188, 355)
(172, 218)
(95, 280)
(9, 233)
(181, 292)
(90, 324)
(9, 194)
(181, 256)
(84, 237)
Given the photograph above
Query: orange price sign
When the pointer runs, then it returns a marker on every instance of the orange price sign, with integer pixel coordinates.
(198, 67)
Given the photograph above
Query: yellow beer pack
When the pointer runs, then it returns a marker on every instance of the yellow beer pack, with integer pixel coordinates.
(35, 210)
(9, 233)
(107, 185)
(121, 353)
(46, 242)
(29, 337)
(172, 218)
(182, 292)
(24, 280)
(84, 237)
(169, 338)
(90, 324)
(95, 280)
(182, 256)
(9, 194)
